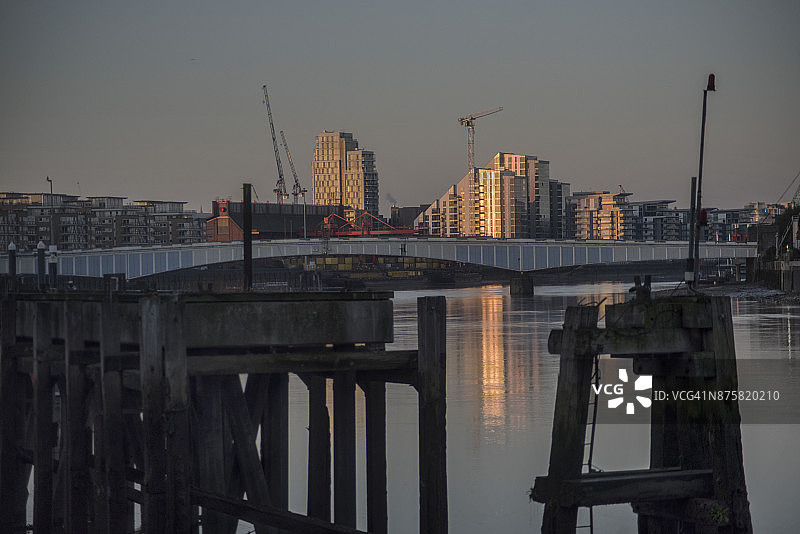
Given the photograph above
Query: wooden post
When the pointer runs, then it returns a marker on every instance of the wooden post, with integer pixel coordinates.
(179, 445)
(725, 435)
(13, 472)
(344, 448)
(432, 328)
(77, 505)
(275, 440)
(319, 449)
(43, 414)
(209, 436)
(151, 369)
(569, 418)
(113, 427)
(377, 515)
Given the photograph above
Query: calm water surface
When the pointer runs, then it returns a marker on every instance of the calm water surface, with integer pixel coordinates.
(500, 396)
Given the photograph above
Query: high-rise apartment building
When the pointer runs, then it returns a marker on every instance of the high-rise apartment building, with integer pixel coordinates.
(344, 174)
(602, 215)
(488, 202)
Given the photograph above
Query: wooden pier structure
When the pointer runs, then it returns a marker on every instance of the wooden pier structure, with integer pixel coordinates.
(696, 478)
(173, 407)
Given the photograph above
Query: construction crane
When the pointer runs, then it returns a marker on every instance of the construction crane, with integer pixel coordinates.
(469, 122)
(297, 189)
(280, 185)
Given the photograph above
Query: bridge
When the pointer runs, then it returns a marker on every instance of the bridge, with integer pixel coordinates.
(520, 256)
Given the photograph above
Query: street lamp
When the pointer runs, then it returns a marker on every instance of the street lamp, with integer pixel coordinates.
(697, 222)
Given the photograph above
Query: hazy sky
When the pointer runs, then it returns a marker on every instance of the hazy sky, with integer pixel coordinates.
(163, 100)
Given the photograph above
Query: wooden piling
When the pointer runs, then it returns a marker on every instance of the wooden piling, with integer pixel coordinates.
(113, 427)
(431, 379)
(319, 449)
(13, 472)
(569, 417)
(151, 371)
(377, 513)
(43, 413)
(275, 448)
(344, 448)
(209, 435)
(178, 442)
(77, 452)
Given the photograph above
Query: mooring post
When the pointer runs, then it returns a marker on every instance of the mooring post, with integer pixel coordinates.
(431, 328)
(151, 370)
(344, 448)
(78, 483)
(13, 472)
(43, 418)
(571, 412)
(375, 400)
(179, 446)
(725, 433)
(319, 449)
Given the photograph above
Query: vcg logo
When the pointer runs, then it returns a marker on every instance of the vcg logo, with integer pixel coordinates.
(621, 392)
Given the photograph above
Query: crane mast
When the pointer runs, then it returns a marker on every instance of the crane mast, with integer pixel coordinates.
(469, 122)
(297, 189)
(280, 185)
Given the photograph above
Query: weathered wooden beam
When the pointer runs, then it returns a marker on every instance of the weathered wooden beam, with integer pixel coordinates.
(344, 448)
(697, 511)
(688, 365)
(217, 320)
(76, 432)
(277, 323)
(431, 386)
(628, 342)
(625, 486)
(319, 449)
(43, 416)
(377, 506)
(244, 442)
(569, 418)
(303, 362)
(178, 442)
(259, 513)
(13, 472)
(153, 386)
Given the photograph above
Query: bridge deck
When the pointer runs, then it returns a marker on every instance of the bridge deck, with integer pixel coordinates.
(512, 255)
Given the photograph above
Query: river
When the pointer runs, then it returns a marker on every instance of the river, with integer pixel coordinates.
(500, 397)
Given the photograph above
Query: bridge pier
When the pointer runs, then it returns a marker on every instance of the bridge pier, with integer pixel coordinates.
(522, 284)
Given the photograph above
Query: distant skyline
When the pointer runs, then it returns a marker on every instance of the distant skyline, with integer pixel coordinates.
(164, 100)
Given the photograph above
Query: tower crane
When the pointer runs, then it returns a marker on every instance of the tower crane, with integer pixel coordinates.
(469, 122)
(280, 185)
(297, 189)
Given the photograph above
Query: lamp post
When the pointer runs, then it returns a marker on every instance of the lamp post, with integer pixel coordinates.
(697, 222)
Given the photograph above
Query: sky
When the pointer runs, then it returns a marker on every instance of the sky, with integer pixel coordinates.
(163, 100)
